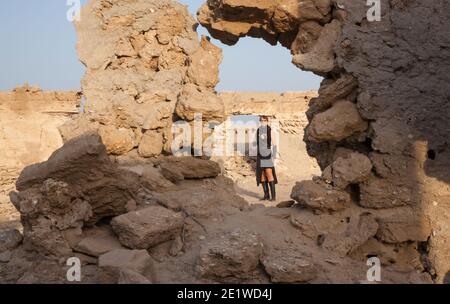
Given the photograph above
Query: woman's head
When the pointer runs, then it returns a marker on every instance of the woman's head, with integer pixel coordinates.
(264, 120)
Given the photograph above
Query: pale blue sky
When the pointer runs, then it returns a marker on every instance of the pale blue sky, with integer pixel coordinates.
(38, 46)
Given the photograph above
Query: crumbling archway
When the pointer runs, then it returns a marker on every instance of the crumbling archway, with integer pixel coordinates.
(362, 103)
(165, 70)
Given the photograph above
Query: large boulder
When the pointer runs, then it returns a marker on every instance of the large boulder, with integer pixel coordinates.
(84, 166)
(148, 227)
(337, 123)
(353, 169)
(320, 196)
(76, 187)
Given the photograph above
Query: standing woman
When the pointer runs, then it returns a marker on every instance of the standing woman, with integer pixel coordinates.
(265, 167)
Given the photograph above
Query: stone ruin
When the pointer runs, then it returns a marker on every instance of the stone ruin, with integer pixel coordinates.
(111, 196)
(379, 125)
(29, 121)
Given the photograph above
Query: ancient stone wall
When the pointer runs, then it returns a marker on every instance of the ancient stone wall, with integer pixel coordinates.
(384, 102)
(29, 121)
(146, 68)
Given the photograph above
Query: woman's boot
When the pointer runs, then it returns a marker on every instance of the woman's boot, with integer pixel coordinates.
(272, 191)
(266, 191)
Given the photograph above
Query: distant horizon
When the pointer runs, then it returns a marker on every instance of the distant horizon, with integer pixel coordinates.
(39, 48)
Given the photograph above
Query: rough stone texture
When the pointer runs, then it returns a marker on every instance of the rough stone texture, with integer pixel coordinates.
(320, 57)
(359, 230)
(139, 57)
(353, 169)
(78, 185)
(85, 167)
(320, 197)
(331, 91)
(289, 267)
(150, 176)
(29, 121)
(230, 20)
(97, 245)
(195, 101)
(342, 120)
(132, 277)
(398, 92)
(189, 168)
(151, 144)
(397, 229)
(9, 239)
(115, 265)
(148, 227)
(234, 253)
(118, 141)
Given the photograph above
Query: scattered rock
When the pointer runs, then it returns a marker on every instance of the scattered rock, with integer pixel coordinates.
(98, 245)
(87, 173)
(320, 197)
(148, 227)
